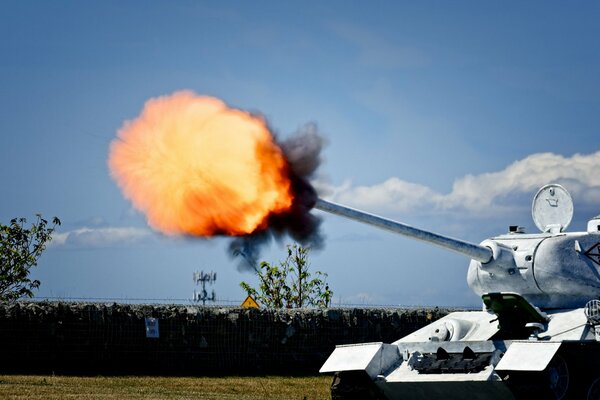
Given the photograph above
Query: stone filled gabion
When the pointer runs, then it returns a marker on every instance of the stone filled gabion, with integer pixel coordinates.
(98, 338)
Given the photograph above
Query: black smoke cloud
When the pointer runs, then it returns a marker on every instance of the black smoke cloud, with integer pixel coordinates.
(303, 153)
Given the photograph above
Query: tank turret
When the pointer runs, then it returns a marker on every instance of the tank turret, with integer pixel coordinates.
(551, 269)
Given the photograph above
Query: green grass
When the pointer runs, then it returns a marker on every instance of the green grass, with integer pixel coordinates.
(159, 388)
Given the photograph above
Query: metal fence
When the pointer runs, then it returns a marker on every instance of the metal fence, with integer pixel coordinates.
(233, 303)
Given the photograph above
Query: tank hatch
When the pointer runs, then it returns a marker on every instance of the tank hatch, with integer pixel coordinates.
(552, 208)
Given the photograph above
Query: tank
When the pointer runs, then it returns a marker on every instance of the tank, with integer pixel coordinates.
(537, 335)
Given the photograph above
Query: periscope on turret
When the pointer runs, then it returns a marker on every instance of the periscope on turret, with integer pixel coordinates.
(538, 335)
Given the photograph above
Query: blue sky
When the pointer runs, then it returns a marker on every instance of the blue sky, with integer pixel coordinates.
(445, 115)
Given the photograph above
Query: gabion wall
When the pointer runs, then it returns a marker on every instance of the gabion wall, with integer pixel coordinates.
(76, 338)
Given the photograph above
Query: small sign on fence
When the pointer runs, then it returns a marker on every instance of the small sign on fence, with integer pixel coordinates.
(152, 328)
(249, 303)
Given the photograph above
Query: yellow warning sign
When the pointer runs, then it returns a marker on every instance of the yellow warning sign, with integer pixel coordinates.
(250, 303)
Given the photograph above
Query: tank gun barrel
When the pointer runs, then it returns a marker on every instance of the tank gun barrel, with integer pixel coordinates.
(474, 251)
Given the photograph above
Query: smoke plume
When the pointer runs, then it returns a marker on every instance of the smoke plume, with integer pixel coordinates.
(303, 153)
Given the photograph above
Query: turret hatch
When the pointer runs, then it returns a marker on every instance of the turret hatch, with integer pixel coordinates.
(552, 208)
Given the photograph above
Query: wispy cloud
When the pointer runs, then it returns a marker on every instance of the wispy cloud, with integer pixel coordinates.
(377, 51)
(100, 237)
(478, 194)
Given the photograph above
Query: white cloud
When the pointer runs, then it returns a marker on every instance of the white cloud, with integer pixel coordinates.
(99, 237)
(478, 194)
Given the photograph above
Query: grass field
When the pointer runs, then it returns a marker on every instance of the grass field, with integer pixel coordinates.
(159, 388)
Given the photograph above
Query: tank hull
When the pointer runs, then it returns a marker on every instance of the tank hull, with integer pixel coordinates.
(468, 355)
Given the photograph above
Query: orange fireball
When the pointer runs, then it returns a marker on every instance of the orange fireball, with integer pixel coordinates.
(195, 166)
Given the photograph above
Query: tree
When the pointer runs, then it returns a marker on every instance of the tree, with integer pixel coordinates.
(290, 284)
(20, 248)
